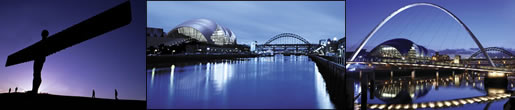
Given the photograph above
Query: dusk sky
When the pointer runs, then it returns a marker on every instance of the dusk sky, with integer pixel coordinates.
(492, 22)
(256, 20)
(114, 60)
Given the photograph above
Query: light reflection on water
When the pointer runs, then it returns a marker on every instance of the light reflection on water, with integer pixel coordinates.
(264, 82)
(434, 85)
(322, 95)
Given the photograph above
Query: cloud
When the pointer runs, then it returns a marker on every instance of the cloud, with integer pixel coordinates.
(256, 20)
(468, 52)
(456, 51)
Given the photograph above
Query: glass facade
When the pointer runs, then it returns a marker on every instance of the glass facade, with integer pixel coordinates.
(201, 31)
(386, 51)
(193, 33)
(220, 36)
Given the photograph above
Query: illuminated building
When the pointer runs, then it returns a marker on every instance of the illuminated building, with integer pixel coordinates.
(400, 48)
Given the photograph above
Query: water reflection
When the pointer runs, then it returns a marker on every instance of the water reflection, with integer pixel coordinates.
(153, 74)
(408, 89)
(172, 70)
(322, 95)
(264, 82)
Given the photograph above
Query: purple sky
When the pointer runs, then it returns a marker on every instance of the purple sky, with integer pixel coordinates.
(492, 22)
(115, 60)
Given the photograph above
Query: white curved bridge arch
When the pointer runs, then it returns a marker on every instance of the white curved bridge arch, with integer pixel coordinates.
(414, 5)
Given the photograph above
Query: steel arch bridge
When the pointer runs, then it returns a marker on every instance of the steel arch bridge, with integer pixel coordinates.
(284, 35)
(287, 49)
(492, 49)
(415, 5)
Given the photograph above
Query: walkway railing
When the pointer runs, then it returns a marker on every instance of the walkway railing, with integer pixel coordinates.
(440, 104)
(440, 65)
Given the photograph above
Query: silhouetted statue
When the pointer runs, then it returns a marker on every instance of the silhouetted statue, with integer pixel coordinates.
(16, 90)
(93, 93)
(115, 94)
(9, 90)
(97, 25)
(38, 64)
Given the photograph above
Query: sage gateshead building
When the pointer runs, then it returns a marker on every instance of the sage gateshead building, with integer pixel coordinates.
(401, 50)
(193, 36)
(204, 30)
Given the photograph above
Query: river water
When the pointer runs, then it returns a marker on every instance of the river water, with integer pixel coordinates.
(261, 82)
(407, 87)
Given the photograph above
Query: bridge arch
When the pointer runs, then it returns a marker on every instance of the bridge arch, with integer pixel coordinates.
(492, 49)
(414, 5)
(287, 35)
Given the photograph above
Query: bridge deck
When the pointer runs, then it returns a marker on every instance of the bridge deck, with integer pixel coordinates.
(436, 66)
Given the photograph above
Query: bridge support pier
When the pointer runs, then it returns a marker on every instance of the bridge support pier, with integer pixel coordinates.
(372, 84)
(413, 75)
(348, 94)
(367, 80)
(391, 74)
(437, 80)
(364, 86)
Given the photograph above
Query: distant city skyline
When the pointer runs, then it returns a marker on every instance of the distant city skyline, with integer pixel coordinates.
(255, 20)
(491, 22)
